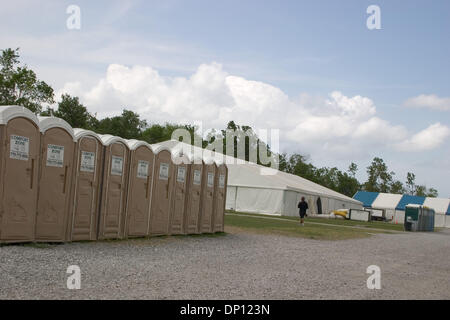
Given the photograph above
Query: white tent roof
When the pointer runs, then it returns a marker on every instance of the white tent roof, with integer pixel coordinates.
(386, 201)
(246, 174)
(440, 205)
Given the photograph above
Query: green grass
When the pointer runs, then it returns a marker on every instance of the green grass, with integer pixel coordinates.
(288, 227)
(137, 240)
(372, 225)
(38, 245)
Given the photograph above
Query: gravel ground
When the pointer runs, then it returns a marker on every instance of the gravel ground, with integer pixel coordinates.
(234, 266)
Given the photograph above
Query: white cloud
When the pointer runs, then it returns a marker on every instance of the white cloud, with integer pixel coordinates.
(427, 139)
(428, 101)
(337, 123)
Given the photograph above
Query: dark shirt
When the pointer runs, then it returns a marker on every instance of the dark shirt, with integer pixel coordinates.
(302, 205)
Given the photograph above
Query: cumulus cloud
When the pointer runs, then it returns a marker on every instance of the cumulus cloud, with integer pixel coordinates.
(427, 139)
(428, 101)
(336, 123)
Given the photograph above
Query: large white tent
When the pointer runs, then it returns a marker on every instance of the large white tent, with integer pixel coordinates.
(258, 189)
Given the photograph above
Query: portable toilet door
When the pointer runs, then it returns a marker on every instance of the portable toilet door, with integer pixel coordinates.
(220, 198)
(88, 168)
(162, 191)
(19, 157)
(208, 197)
(180, 190)
(140, 180)
(194, 197)
(55, 179)
(114, 187)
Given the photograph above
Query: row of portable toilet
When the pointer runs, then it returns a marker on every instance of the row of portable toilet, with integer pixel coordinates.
(64, 184)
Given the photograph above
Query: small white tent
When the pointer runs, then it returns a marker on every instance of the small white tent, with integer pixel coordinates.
(258, 189)
(440, 206)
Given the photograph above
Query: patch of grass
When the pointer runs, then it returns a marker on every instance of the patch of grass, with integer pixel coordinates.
(205, 235)
(262, 225)
(46, 245)
(372, 224)
(40, 245)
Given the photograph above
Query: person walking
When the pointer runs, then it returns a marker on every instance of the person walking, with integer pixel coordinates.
(302, 206)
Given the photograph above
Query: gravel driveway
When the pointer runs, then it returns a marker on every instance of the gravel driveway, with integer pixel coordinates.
(234, 266)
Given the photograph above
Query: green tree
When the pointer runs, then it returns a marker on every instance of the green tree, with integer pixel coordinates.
(379, 178)
(246, 144)
(397, 187)
(432, 193)
(347, 184)
(411, 183)
(352, 169)
(71, 110)
(158, 133)
(20, 86)
(298, 164)
(421, 191)
(128, 125)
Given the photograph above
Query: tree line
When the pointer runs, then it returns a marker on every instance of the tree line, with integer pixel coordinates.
(19, 85)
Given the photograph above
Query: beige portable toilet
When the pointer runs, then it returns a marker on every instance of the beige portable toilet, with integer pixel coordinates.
(19, 166)
(182, 166)
(162, 191)
(220, 198)
(140, 180)
(207, 209)
(88, 168)
(55, 179)
(114, 187)
(194, 197)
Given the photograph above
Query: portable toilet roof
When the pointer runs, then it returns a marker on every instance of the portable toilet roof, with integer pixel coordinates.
(387, 201)
(366, 197)
(157, 148)
(79, 133)
(209, 160)
(133, 144)
(46, 123)
(182, 156)
(10, 112)
(108, 139)
(409, 199)
(440, 205)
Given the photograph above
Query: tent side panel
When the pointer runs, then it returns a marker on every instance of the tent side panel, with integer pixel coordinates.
(439, 220)
(447, 221)
(291, 199)
(258, 200)
(231, 198)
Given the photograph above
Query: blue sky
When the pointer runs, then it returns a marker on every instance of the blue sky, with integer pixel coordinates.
(282, 58)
